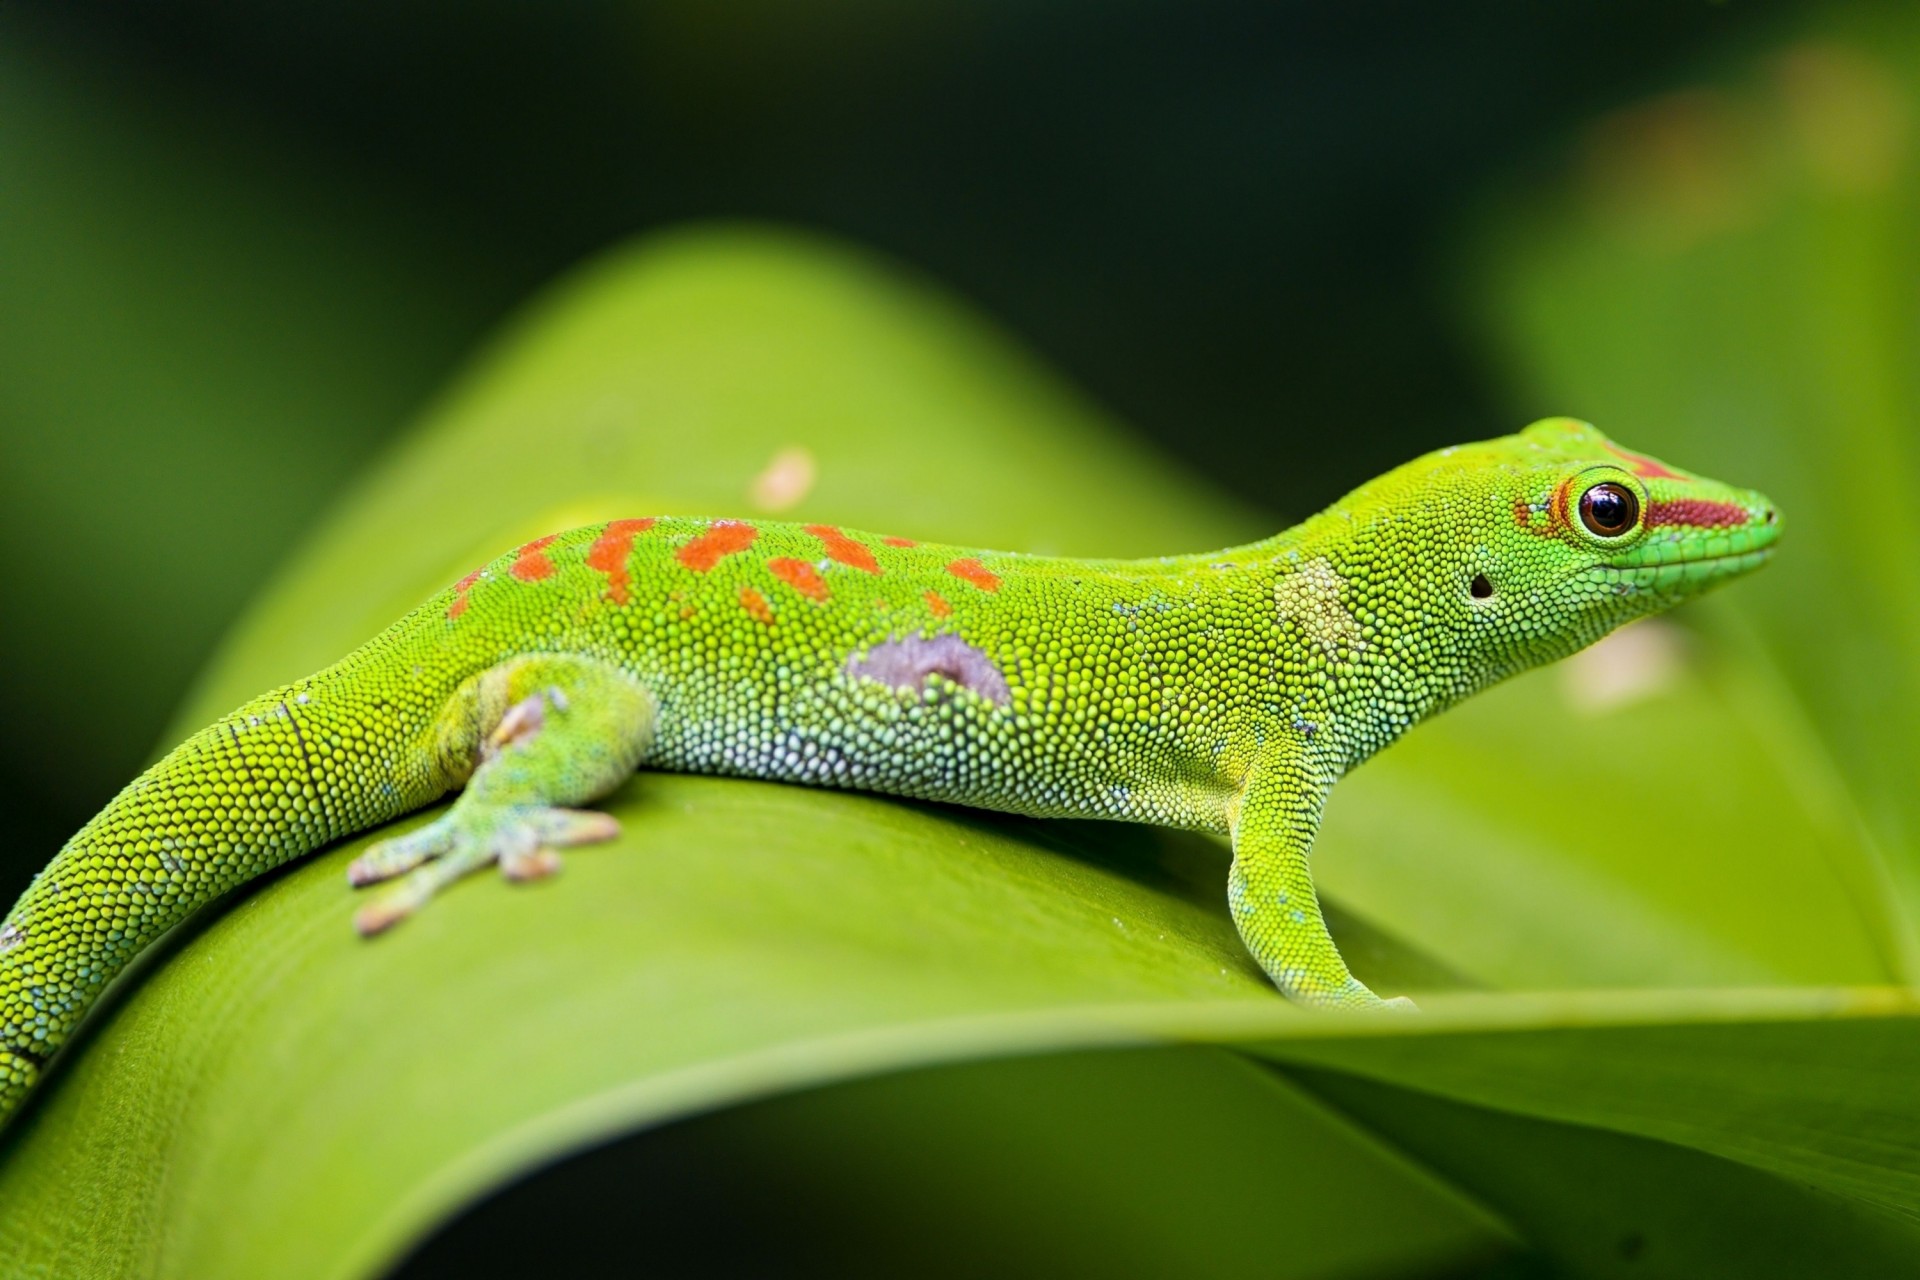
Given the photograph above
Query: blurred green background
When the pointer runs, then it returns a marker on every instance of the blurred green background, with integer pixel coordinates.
(1290, 244)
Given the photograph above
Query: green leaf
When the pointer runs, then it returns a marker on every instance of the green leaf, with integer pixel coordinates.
(278, 1097)
(1598, 1203)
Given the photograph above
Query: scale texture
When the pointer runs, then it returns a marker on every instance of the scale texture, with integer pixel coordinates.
(1225, 691)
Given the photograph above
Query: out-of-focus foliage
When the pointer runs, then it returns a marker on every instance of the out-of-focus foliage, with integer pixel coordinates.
(1730, 276)
(282, 1098)
(204, 330)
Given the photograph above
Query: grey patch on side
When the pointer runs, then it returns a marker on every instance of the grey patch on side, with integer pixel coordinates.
(906, 663)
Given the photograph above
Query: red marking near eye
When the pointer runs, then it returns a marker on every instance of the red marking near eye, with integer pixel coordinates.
(968, 569)
(900, 542)
(530, 563)
(756, 605)
(799, 575)
(609, 553)
(1698, 512)
(844, 549)
(939, 605)
(460, 589)
(722, 539)
(1561, 497)
(1644, 467)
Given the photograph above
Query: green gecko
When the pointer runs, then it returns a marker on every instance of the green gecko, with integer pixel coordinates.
(1225, 691)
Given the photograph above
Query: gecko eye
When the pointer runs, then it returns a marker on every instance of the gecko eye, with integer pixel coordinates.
(1609, 509)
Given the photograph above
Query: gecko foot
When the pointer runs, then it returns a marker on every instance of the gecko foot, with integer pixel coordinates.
(523, 840)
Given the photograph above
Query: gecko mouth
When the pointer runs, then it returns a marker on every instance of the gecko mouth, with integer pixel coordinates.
(1687, 571)
(1752, 553)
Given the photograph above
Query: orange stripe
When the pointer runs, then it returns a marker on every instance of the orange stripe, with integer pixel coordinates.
(939, 605)
(968, 569)
(609, 553)
(900, 542)
(530, 563)
(844, 549)
(460, 589)
(756, 605)
(799, 575)
(722, 539)
(1641, 465)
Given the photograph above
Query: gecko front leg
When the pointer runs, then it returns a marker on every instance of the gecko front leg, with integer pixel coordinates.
(534, 736)
(1270, 888)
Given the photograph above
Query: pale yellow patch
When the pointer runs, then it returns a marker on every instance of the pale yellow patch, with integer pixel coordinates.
(1641, 660)
(1313, 598)
(785, 481)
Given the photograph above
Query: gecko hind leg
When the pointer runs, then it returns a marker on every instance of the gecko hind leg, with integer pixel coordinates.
(536, 735)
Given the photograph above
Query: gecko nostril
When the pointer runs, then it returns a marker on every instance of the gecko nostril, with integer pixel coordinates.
(1771, 515)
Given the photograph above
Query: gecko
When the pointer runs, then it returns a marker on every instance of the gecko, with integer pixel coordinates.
(1225, 691)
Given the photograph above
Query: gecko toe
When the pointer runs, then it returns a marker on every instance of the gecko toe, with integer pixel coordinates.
(522, 840)
(389, 858)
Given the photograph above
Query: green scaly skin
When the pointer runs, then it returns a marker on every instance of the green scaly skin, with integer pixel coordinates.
(1225, 692)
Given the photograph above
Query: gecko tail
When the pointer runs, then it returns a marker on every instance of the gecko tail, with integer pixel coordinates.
(234, 801)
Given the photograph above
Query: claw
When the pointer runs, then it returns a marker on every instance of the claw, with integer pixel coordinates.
(564, 828)
(537, 865)
(523, 719)
(380, 915)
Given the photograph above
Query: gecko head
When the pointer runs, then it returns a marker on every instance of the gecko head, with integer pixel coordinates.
(1577, 535)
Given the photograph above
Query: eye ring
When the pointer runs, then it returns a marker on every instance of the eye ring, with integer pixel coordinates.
(1609, 509)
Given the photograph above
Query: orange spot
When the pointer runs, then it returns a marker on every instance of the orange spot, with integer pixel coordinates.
(1641, 465)
(756, 605)
(799, 575)
(1524, 513)
(530, 563)
(609, 553)
(687, 611)
(722, 539)
(939, 605)
(900, 542)
(968, 569)
(460, 589)
(844, 549)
